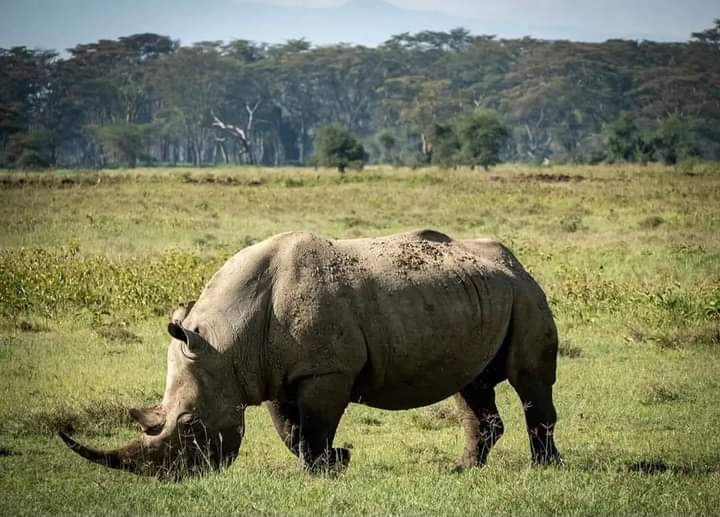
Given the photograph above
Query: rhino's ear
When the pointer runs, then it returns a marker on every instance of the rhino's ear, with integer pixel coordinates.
(181, 312)
(194, 344)
(150, 419)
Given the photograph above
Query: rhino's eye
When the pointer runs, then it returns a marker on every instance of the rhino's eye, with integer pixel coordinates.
(154, 430)
(188, 426)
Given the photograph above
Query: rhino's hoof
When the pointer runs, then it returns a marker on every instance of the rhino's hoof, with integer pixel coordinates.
(464, 465)
(547, 460)
(333, 461)
(341, 456)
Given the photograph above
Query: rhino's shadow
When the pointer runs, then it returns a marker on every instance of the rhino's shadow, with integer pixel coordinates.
(652, 466)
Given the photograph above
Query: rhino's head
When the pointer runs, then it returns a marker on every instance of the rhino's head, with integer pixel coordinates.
(200, 423)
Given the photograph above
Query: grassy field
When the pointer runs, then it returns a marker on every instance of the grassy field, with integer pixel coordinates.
(92, 263)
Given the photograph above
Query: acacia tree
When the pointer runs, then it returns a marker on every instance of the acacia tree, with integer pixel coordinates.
(446, 151)
(623, 141)
(388, 144)
(421, 104)
(293, 91)
(337, 147)
(128, 142)
(191, 83)
(267, 100)
(473, 140)
(239, 113)
(676, 140)
(710, 36)
(26, 94)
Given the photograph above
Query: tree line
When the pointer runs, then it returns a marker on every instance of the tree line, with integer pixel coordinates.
(450, 98)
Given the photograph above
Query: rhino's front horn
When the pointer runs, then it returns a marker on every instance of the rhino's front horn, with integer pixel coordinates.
(125, 458)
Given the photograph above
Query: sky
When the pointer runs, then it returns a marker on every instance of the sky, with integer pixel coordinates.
(61, 24)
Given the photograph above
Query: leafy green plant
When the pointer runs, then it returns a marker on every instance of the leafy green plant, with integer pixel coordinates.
(337, 147)
(50, 281)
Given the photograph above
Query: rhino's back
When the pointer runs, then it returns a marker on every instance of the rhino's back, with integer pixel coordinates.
(414, 316)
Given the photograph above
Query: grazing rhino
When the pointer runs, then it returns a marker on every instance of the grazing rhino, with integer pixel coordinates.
(308, 325)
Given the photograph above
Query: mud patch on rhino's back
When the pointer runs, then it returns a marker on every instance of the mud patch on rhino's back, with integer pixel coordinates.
(418, 255)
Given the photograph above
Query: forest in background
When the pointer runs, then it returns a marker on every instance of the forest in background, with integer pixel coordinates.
(146, 99)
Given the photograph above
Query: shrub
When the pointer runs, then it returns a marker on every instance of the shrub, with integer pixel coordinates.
(34, 149)
(48, 282)
(474, 140)
(337, 147)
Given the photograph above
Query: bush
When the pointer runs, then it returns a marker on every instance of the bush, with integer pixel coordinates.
(126, 141)
(482, 136)
(388, 147)
(34, 149)
(48, 282)
(337, 147)
(446, 147)
(676, 140)
(474, 140)
(625, 143)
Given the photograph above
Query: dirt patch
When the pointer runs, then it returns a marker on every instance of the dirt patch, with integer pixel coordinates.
(541, 178)
(34, 326)
(370, 421)
(211, 179)
(52, 180)
(415, 255)
(5, 452)
(223, 180)
(649, 467)
(652, 222)
(117, 333)
(568, 350)
(61, 181)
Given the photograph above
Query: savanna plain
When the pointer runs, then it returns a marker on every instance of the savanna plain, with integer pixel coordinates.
(92, 264)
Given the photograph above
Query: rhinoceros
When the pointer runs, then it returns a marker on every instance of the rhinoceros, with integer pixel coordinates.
(307, 325)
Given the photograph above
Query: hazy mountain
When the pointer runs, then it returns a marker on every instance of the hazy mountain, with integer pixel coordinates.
(366, 22)
(62, 24)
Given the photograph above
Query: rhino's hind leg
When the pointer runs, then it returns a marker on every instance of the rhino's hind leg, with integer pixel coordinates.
(321, 402)
(481, 422)
(286, 419)
(540, 416)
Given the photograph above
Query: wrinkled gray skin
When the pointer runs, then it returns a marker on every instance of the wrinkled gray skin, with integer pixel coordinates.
(308, 325)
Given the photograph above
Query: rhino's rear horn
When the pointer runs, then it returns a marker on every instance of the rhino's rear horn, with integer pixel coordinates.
(150, 419)
(125, 458)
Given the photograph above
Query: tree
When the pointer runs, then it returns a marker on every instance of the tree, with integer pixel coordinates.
(481, 136)
(256, 103)
(388, 144)
(337, 147)
(709, 36)
(33, 149)
(127, 141)
(420, 103)
(625, 142)
(675, 140)
(294, 93)
(26, 80)
(191, 83)
(446, 151)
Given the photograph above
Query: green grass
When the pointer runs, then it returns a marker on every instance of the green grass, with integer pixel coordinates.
(92, 263)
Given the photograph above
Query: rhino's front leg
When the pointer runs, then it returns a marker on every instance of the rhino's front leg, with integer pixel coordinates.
(321, 402)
